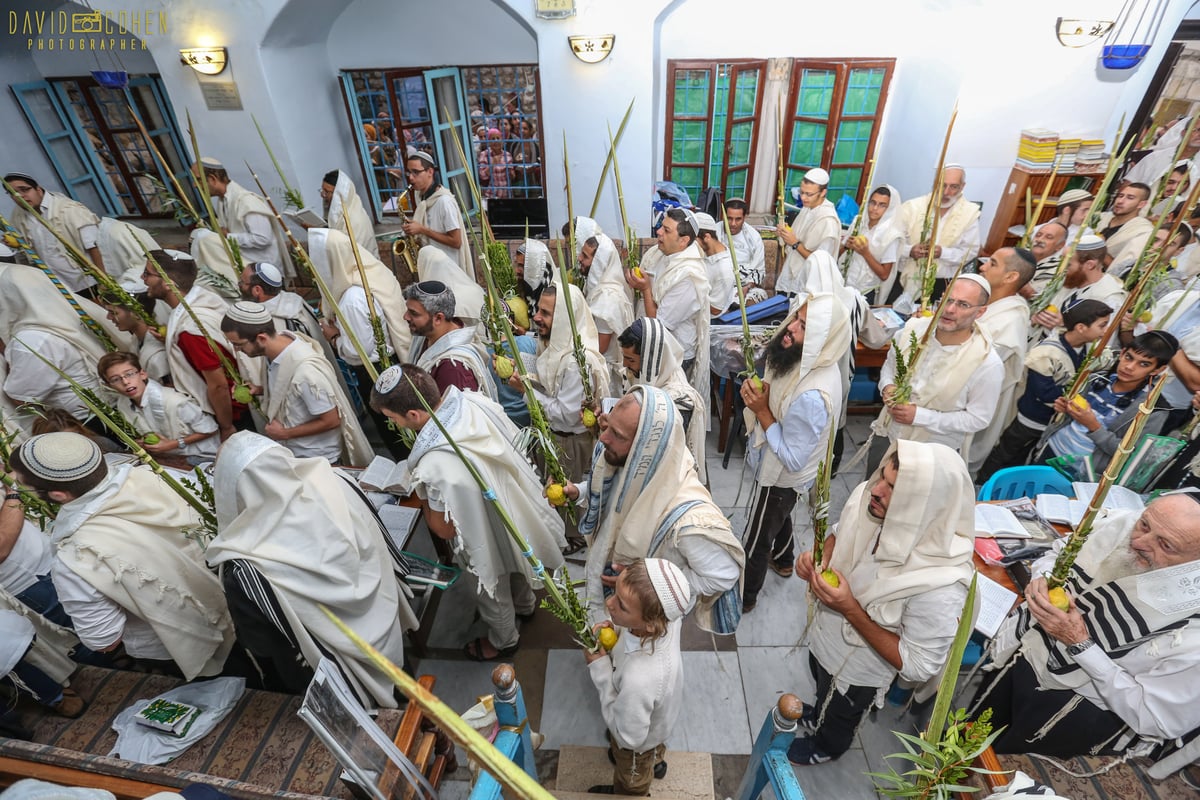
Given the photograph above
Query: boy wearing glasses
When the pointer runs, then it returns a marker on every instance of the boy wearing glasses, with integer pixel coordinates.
(436, 220)
(182, 427)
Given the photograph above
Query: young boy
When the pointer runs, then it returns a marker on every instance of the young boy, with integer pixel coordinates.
(182, 427)
(640, 680)
(1112, 401)
(150, 350)
(1048, 368)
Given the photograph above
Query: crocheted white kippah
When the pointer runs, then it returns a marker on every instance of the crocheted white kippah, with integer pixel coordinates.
(673, 590)
(61, 456)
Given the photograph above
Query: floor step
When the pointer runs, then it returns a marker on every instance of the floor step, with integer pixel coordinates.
(689, 775)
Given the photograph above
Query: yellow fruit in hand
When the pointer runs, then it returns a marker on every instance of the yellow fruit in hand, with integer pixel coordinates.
(504, 367)
(556, 494)
(241, 393)
(925, 312)
(589, 418)
(1080, 402)
(860, 240)
(608, 638)
(1145, 316)
(830, 577)
(1052, 309)
(637, 273)
(151, 438)
(1059, 599)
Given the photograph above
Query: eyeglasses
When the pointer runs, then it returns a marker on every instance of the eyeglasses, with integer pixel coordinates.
(411, 172)
(124, 377)
(963, 304)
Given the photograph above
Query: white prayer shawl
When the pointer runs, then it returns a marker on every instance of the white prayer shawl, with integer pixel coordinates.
(131, 538)
(461, 346)
(1126, 244)
(688, 266)
(879, 238)
(642, 509)
(159, 414)
(421, 214)
(316, 540)
(556, 360)
(302, 364)
(662, 368)
(65, 216)
(345, 203)
(941, 374)
(210, 309)
(539, 270)
(469, 296)
(332, 257)
(29, 300)
(817, 229)
(121, 246)
(608, 295)
(951, 230)
(52, 645)
(482, 545)
(826, 342)
(1108, 290)
(1006, 322)
(926, 543)
(290, 312)
(823, 277)
(232, 210)
(213, 266)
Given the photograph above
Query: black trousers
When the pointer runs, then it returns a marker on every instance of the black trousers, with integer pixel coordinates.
(283, 666)
(1022, 709)
(768, 537)
(1012, 450)
(843, 713)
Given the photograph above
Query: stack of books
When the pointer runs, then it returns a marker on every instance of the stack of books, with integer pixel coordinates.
(1068, 150)
(1091, 156)
(1037, 150)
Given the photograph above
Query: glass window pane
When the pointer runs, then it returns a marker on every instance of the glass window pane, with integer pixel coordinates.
(853, 138)
(843, 181)
(691, 92)
(816, 93)
(689, 178)
(735, 184)
(690, 141)
(741, 137)
(862, 91)
(746, 96)
(808, 142)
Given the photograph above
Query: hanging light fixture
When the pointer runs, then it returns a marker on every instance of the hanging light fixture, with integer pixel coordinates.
(1135, 31)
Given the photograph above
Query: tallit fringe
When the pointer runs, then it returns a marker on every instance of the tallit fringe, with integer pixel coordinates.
(1058, 717)
(119, 567)
(1061, 767)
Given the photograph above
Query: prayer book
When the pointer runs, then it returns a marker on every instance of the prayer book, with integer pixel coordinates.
(423, 571)
(174, 719)
(994, 602)
(1118, 498)
(306, 218)
(1060, 509)
(995, 520)
(385, 475)
(1150, 458)
(399, 522)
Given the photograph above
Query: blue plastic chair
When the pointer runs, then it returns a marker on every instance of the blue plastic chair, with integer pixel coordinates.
(1013, 482)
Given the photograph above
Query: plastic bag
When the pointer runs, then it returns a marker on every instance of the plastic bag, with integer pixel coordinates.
(847, 209)
(136, 742)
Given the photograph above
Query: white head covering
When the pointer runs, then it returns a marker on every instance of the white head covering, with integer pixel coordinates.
(585, 228)
(332, 257)
(269, 274)
(469, 297)
(60, 457)
(705, 222)
(979, 281)
(662, 368)
(673, 590)
(559, 353)
(29, 300)
(818, 176)
(249, 313)
(345, 203)
(315, 539)
(539, 267)
(212, 259)
(888, 230)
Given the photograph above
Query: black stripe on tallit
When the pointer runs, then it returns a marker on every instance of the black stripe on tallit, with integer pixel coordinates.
(258, 590)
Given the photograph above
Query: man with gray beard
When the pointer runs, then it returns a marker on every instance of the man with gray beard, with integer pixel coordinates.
(1119, 668)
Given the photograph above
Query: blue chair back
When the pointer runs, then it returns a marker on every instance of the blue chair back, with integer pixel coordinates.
(1007, 484)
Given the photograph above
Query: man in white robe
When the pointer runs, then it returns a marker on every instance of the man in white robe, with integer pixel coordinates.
(306, 410)
(902, 557)
(792, 417)
(263, 283)
(123, 246)
(294, 535)
(643, 499)
(876, 248)
(722, 289)
(455, 509)
(1006, 322)
(70, 219)
(1084, 279)
(1047, 247)
(957, 233)
(342, 204)
(1124, 230)
(1117, 671)
(244, 217)
(747, 244)
(128, 568)
(436, 219)
(815, 228)
(444, 345)
(608, 296)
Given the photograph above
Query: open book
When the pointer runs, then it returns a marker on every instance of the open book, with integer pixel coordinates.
(1118, 498)
(994, 520)
(306, 218)
(385, 475)
(994, 601)
(1060, 509)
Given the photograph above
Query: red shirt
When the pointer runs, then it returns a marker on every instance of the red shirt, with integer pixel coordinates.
(200, 355)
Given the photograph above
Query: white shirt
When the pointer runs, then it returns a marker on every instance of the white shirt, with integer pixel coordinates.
(722, 291)
(52, 252)
(191, 417)
(677, 310)
(353, 306)
(794, 438)
(31, 380)
(99, 622)
(443, 216)
(306, 404)
(28, 560)
(975, 406)
(641, 689)
(563, 403)
(751, 258)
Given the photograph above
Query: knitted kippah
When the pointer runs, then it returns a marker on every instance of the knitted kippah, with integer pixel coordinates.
(249, 313)
(212, 163)
(61, 456)
(1073, 196)
(673, 590)
(421, 155)
(1088, 243)
(389, 379)
(268, 274)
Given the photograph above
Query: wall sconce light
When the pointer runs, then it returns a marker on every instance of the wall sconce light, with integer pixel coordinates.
(1081, 32)
(205, 60)
(591, 49)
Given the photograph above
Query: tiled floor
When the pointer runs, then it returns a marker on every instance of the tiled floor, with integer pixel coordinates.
(729, 691)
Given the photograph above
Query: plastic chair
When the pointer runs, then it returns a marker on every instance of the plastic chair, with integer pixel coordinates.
(1013, 482)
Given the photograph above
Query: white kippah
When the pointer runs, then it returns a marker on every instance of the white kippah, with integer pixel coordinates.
(211, 163)
(977, 279)
(421, 155)
(178, 255)
(269, 274)
(131, 281)
(61, 456)
(818, 176)
(1074, 196)
(249, 312)
(1089, 242)
(389, 379)
(673, 590)
(705, 222)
